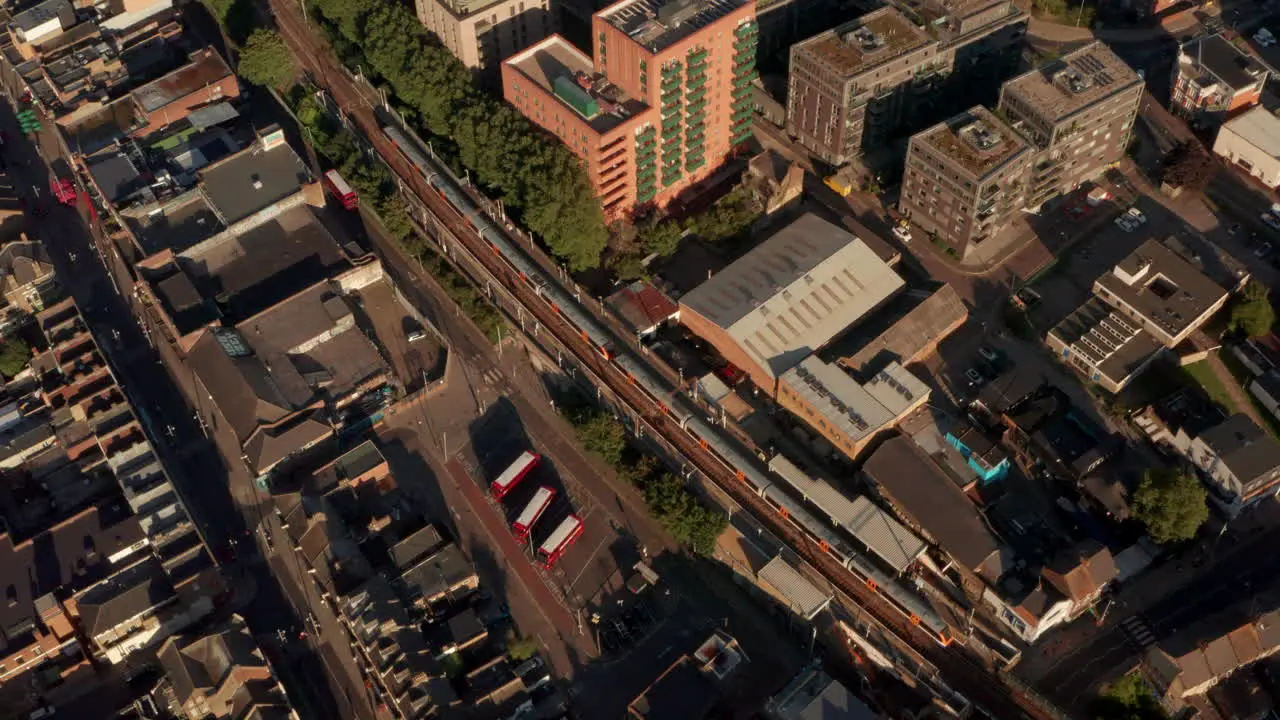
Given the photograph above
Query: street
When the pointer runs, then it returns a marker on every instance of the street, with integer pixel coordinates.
(196, 469)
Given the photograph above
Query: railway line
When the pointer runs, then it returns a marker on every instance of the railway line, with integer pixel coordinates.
(464, 229)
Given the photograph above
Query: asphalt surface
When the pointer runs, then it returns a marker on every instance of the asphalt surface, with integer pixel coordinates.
(194, 466)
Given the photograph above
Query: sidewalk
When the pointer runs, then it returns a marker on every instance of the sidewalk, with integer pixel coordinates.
(1057, 33)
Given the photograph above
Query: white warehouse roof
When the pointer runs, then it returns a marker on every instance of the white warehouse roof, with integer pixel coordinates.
(795, 292)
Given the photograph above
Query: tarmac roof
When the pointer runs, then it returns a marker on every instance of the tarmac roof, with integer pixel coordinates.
(1161, 287)
(1078, 80)
(923, 491)
(252, 180)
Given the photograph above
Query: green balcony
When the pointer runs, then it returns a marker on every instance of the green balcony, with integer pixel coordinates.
(670, 83)
(697, 83)
(742, 114)
(745, 44)
(740, 93)
(646, 159)
(697, 56)
(646, 172)
(671, 178)
(745, 79)
(670, 125)
(645, 197)
(695, 143)
(695, 108)
(741, 136)
(693, 164)
(747, 29)
(696, 95)
(741, 65)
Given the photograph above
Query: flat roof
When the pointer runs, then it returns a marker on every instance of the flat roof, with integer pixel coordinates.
(683, 691)
(844, 404)
(34, 17)
(555, 61)
(252, 180)
(795, 292)
(897, 546)
(1259, 127)
(976, 140)
(1227, 63)
(1164, 289)
(204, 69)
(1074, 82)
(656, 25)
(867, 42)
(1113, 343)
(177, 225)
(813, 695)
(921, 489)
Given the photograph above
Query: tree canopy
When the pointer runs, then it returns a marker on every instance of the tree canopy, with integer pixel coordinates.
(266, 60)
(14, 356)
(1128, 698)
(1188, 166)
(1171, 504)
(536, 175)
(1252, 313)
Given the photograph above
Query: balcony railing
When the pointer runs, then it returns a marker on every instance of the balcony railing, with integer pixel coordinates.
(745, 78)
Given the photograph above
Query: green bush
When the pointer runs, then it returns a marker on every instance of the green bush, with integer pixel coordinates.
(536, 175)
(669, 500)
(265, 60)
(15, 355)
(1171, 504)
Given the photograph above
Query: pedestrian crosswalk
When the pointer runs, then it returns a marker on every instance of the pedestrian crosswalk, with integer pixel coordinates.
(1136, 629)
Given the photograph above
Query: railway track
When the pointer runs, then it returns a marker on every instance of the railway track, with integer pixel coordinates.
(962, 672)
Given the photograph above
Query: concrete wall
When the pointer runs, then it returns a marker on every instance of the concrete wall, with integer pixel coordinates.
(1248, 157)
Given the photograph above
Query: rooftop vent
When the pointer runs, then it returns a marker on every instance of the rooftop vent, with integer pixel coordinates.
(980, 136)
(676, 12)
(257, 183)
(865, 38)
(1075, 80)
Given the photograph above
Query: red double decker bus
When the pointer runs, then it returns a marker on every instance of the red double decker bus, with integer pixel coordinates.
(341, 190)
(514, 474)
(532, 512)
(560, 539)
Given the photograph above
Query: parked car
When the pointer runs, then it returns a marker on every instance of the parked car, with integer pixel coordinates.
(1262, 250)
(974, 376)
(902, 232)
(1271, 220)
(1126, 223)
(1137, 215)
(988, 354)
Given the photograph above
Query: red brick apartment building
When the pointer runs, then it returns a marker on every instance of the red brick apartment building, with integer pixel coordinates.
(665, 101)
(1213, 80)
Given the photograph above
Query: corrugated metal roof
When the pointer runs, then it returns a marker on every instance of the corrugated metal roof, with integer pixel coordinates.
(877, 530)
(805, 599)
(795, 291)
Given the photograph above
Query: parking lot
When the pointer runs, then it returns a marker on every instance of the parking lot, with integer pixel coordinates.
(588, 569)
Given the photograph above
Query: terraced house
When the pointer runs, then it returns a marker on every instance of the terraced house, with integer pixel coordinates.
(666, 99)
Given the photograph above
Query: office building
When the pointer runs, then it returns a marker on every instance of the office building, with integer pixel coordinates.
(1213, 80)
(666, 99)
(1252, 142)
(1078, 111)
(964, 179)
(483, 33)
(1151, 300)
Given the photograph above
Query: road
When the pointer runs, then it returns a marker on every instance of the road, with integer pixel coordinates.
(194, 466)
(962, 671)
(1226, 582)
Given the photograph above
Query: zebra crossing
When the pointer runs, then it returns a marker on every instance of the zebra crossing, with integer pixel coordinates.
(1136, 629)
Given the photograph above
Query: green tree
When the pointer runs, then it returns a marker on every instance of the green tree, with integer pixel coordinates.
(601, 434)
(1252, 312)
(662, 238)
(538, 178)
(519, 648)
(1129, 698)
(266, 60)
(14, 357)
(1171, 504)
(1189, 166)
